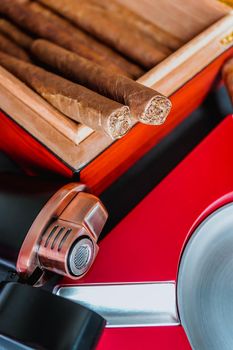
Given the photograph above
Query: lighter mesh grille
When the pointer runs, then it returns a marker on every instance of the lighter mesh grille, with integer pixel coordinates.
(82, 257)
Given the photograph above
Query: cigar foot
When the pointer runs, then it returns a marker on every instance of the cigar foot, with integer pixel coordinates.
(119, 123)
(156, 111)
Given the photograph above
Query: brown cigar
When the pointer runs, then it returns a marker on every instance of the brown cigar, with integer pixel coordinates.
(129, 26)
(37, 23)
(150, 30)
(14, 33)
(146, 105)
(9, 47)
(75, 101)
(227, 73)
(131, 69)
(123, 38)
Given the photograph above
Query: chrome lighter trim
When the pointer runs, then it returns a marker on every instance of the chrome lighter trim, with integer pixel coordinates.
(128, 305)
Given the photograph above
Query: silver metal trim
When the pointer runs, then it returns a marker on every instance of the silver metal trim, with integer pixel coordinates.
(128, 305)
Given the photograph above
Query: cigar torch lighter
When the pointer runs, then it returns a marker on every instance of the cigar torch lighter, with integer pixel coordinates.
(46, 228)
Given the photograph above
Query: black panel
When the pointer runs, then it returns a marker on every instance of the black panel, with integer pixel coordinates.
(36, 319)
(7, 165)
(21, 199)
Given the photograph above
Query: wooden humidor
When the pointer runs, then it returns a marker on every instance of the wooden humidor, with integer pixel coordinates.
(205, 28)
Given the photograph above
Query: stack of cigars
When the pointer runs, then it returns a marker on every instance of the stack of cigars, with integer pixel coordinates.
(83, 57)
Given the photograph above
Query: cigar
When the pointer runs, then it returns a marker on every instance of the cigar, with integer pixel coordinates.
(146, 105)
(39, 24)
(15, 34)
(150, 30)
(132, 70)
(9, 47)
(75, 101)
(125, 39)
(227, 74)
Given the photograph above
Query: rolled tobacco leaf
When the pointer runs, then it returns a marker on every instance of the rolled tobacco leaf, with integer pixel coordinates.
(122, 37)
(146, 104)
(149, 29)
(39, 24)
(9, 47)
(15, 34)
(75, 101)
(132, 70)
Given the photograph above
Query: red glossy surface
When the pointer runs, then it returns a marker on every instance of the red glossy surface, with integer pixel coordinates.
(146, 245)
(156, 338)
